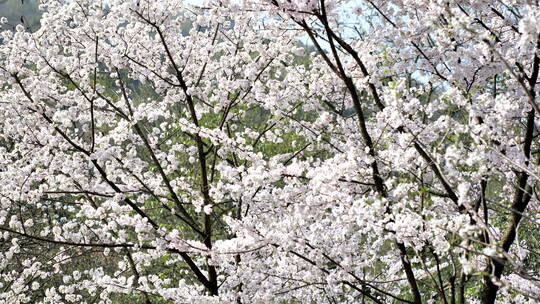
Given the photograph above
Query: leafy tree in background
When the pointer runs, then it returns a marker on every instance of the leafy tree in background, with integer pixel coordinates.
(270, 152)
(23, 12)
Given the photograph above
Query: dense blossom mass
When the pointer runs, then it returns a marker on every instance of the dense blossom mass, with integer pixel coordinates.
(271, 151)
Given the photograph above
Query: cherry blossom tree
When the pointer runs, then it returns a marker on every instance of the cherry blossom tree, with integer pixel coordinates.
(271, 151)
